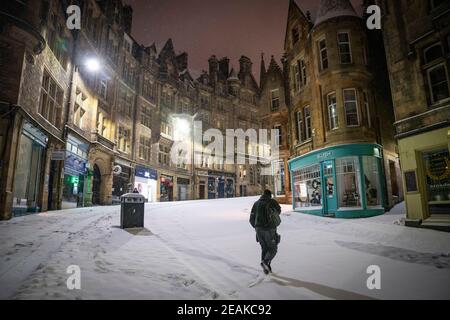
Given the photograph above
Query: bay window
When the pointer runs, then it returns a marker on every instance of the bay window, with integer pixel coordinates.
(307, 187)
(349, 189)
(351, 107)
(333, 120)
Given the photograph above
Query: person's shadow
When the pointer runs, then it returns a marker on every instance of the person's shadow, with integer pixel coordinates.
(329, 292)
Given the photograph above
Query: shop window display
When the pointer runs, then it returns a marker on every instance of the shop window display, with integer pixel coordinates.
(372, 181)
(307, 187)
(279, 172)
(437, 170)
(347, 170)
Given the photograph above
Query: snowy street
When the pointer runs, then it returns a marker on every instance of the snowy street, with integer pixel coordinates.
(207, 250)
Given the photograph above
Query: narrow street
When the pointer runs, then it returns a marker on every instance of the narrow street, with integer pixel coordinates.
(207, 250)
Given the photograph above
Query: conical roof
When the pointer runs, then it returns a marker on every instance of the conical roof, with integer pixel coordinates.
(329, 9)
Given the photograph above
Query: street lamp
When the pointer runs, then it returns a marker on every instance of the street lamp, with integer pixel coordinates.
(184, 124)
(92, 65)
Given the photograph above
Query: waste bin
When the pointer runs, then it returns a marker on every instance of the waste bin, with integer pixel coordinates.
(132, 210)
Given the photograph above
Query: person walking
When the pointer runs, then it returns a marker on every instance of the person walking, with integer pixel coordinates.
(265, 218)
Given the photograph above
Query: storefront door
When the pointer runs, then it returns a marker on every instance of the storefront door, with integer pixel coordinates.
(437, 170)
(329, 186)
(221, 188)
(211, 188)
(27, 178)
(201, 191)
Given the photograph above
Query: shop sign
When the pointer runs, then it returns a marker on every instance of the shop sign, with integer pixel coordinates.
(35, 134)
(324, 155)
(146, 173)
(75, 163)
(221, 175)
(117, 170)
(183, 181)
(58, 155)
(411, 181)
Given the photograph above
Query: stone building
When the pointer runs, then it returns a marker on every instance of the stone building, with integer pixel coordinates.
(417, 41)
(274, 113)
(344, 160)
(93, 114)
(36, 63)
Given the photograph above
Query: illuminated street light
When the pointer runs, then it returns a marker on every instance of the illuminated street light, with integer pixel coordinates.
(93, 65)
(182, 127)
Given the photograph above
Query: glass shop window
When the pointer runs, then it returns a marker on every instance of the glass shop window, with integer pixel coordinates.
(372, 181)
(307, 187)
(348, 184)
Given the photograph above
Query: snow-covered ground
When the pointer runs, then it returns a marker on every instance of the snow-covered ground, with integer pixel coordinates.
(207, 250)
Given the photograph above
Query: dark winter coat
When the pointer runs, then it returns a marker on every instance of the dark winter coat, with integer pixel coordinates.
(259, 216)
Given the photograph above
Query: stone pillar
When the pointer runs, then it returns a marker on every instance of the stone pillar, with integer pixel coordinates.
(106, 189)
(7, 170)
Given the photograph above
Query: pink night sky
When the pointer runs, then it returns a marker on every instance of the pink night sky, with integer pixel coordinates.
(222, 27)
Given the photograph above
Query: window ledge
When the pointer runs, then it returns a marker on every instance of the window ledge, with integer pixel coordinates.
(301, 144)
(309, 208)
(46, 120)
(440, 103)
(350, 208)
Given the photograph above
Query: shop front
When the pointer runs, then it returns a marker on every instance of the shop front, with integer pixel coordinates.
(425, 159)
(201, 178)
(220, 185)
(343, 181)
(212, 187)
(229, 187)
(183, 186)
(166, 188)
(28, 176)
(279, 178)
(437, 180)
(145, 181)
(77, 185)
(122, 172)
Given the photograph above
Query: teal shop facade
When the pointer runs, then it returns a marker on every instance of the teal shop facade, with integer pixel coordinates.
(344, 181)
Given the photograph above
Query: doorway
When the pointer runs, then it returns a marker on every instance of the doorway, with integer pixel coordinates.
(329, 185)
(27, 177)
(221, 189)
(96, 186)
(51, 182)
(201, 191)
(394, 181)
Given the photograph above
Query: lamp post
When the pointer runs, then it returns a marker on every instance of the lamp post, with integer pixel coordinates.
(92, 65)
(184, 125)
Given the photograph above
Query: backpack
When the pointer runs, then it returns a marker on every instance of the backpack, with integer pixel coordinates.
(273, 216)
